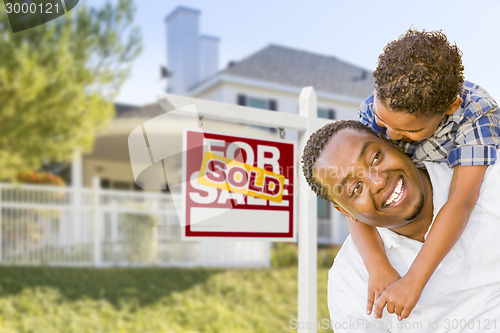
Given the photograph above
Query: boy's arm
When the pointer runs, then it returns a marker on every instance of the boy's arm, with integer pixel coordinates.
(370, 246)
(402, 296)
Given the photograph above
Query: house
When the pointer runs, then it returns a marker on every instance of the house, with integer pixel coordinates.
(99, 220)
(271, 78)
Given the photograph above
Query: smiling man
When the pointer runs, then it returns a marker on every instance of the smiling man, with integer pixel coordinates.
(370, 180)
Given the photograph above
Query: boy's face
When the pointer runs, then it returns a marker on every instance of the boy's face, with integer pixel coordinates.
(405, 126)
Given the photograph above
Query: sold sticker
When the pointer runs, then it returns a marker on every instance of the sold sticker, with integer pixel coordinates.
(230, 175)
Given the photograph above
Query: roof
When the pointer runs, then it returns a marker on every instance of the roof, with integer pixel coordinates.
(145, 111)
(124, 108)
(283, 65)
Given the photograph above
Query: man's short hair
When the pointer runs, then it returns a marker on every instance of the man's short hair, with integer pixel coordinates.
(419, 73)
(315, 145)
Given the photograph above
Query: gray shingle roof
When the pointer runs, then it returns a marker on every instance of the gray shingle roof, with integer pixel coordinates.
(299, 68)
(286, 66)
(145, 111)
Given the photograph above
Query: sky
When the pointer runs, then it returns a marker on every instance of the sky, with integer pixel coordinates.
(354, 31)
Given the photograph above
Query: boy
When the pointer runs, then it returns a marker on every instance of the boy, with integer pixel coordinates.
(422, 103)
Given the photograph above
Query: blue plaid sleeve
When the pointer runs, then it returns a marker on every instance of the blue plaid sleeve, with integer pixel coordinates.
(366, 116)
(365, 113)
(476, 142)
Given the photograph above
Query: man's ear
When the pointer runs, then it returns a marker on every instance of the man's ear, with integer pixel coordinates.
(346, 213)
(342, 210)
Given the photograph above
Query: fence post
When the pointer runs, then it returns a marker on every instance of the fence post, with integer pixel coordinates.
(307, 224)
(1, 235)
(77, 197)
(96, 226)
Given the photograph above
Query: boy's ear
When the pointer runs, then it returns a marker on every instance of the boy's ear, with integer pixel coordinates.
(454, 107)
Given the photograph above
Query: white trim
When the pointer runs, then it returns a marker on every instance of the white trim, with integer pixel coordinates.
(226, 78)
(234, 113)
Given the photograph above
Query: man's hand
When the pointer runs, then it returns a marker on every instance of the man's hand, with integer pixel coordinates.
(400, 298)
(378, 282)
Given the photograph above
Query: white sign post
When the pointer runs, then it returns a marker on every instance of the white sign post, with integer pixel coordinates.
(308, 225)
(306, 122)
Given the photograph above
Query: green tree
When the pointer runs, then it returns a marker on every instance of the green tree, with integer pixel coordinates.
(58, 82)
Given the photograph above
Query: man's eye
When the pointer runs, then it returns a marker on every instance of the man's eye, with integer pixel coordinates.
(356, 189)
(375, 159)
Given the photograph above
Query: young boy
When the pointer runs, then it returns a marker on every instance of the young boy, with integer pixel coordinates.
(422, 103)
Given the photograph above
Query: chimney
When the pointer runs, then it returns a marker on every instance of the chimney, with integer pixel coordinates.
(183, 49)
(209, 56)
(191, 57)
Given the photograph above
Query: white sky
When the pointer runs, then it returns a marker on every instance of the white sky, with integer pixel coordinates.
(351, 30)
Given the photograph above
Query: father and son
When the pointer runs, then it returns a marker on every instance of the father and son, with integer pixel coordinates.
(416, 179)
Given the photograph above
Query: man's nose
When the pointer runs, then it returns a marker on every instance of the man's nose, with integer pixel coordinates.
(376, 180)
(394, 134)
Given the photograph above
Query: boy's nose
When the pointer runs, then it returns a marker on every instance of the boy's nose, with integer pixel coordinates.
(394, 135)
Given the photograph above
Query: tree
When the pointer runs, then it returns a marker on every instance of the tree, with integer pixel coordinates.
(58, 82)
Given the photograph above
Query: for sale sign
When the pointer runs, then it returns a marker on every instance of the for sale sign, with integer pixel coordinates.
(238, 187)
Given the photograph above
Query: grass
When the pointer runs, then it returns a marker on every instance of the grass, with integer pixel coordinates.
(128, 300)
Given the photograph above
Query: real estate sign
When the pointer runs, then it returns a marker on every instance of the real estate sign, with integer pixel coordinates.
(238, 187)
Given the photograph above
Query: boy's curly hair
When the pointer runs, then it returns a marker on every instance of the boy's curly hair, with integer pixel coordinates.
(420, 73)
(315, 145)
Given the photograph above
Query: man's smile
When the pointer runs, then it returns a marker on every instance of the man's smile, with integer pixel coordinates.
(397, 195)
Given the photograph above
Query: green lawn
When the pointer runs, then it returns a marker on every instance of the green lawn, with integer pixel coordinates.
(42, 299)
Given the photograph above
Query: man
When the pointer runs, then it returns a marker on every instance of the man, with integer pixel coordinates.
(373, 182)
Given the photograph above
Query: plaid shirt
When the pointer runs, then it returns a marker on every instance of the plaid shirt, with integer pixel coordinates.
(470, 136)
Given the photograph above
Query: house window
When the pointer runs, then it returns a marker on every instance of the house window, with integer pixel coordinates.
(116, 185)
(323, 209)
(326, 113)
(105, 183)
(260, 103)
(119, 185)
(257, 103)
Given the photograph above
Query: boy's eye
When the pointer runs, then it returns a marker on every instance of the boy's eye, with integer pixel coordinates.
(356, 189)
(375, 159)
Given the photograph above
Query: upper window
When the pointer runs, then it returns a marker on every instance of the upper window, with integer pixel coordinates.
(254, 102)
(257, 103)
(326, 113)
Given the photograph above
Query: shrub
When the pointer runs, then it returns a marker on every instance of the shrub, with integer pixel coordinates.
(326, 255)
(42, 178)
(140, 236)
(284, 255)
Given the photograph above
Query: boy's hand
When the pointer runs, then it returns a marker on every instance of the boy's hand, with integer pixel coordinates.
(378, 282)
(400, 298)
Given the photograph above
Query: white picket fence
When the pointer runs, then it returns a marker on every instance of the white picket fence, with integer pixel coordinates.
(65, 226)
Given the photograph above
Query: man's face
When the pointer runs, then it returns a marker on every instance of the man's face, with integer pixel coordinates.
(405, 126)
(370, 179)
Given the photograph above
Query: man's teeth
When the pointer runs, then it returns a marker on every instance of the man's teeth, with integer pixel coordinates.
(396, 195)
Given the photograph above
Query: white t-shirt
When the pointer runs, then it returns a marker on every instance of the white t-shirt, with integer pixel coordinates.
(463, 295)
